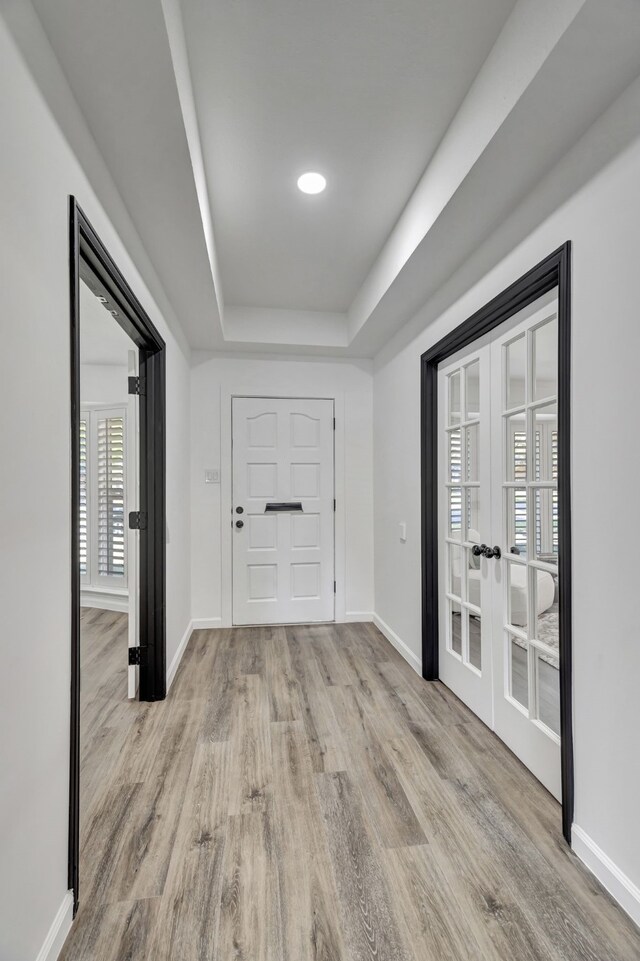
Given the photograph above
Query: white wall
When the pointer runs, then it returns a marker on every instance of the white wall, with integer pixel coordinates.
(104, 384)
(601, 219)
(215, 378)
(37, 174)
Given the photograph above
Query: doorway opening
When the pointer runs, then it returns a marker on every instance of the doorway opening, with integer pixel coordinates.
(496, 521)
(118, 511)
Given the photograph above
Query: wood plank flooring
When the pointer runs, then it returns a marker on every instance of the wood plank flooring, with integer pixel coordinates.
(302, 795)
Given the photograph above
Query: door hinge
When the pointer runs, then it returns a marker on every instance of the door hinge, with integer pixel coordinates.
(334, 503)
(137, 521)
(334, 423)
(135, 655)
(334, 587)
(137, 386)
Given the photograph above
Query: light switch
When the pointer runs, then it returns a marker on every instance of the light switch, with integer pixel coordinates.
(403, 531)
(212, 477)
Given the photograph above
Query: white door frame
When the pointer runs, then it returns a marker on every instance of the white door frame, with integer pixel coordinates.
(226, 493)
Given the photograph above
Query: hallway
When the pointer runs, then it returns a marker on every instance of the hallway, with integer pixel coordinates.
(303, 794)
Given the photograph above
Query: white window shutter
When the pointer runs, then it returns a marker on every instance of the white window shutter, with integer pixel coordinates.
(83, 547)
(111, 531)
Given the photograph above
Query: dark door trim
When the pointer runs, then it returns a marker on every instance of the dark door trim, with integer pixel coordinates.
(553, 271)
(90, 260)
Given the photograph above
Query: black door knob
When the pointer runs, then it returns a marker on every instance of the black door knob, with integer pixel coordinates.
(493, 552)
(239, 510)
(478, 549)
(239, 524)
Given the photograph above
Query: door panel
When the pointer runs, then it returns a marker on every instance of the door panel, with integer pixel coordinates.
(498, 488)
(464, 519)
(525, 513)
(283, 521)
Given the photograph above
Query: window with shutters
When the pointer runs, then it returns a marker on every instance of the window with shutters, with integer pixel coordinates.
(103, 531)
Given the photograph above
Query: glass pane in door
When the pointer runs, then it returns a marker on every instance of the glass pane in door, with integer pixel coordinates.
(517, 527)
(455, 585)
(516, 456)
(544, 348)
(515, 369)
(472, 452)
(463, 400)
(548, 691)
(455, 456)
(455, 628)
(472, 391)
(519, 670)
(528, 424)
(455, 512)
(454, 398)
(475, 639)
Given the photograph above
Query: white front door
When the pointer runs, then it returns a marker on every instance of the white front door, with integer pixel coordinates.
(498, 536)
(282, 510)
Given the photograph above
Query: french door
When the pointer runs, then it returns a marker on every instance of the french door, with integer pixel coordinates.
(498, 513)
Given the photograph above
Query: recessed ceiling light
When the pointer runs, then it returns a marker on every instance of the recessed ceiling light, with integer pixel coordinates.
(311, 183)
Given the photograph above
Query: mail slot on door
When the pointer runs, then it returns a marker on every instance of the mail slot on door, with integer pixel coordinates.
(285, 507)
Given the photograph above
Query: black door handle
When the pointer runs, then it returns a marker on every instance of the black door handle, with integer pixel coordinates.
(478, 549)
(239, 524)
(239, 510)
(493, 552)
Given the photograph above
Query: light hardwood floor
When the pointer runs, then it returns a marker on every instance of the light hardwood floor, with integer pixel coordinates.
(302, 795)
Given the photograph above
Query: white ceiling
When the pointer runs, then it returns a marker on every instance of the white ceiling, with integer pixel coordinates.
(433, 120)
(362, 91)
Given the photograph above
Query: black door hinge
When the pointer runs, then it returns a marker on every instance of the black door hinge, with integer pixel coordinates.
(137, 386)
(137, 521)
(334, 503)
(334, 423)
(136, 654)
(334, 587)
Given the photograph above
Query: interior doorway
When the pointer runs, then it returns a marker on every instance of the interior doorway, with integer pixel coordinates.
(497, 522)
(107, 547)
(117, 509)
(109, 485)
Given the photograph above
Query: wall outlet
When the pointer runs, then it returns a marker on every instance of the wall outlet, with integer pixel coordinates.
(212, 477)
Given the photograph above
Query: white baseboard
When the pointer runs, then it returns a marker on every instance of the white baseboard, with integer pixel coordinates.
(399, 644)
(58, 931)
(357, 617)
(621, 888)
(206, 623)
(177, 657)
(105, 600)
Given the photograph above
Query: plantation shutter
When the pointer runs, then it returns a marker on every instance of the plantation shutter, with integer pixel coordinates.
(111, 531)
(83, 547)
(455, 462)
(520, 494)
